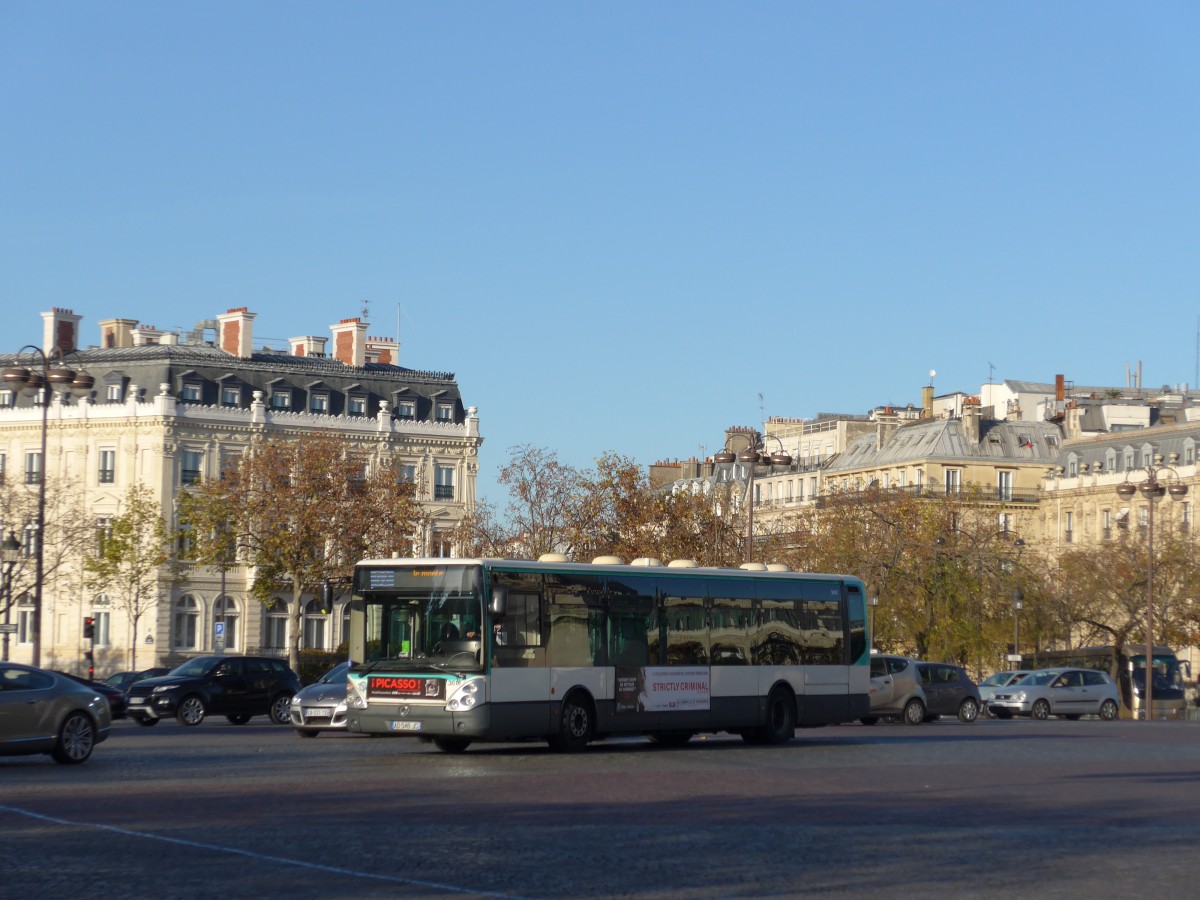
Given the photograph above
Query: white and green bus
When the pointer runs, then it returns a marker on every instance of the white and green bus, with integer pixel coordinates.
(463, 650)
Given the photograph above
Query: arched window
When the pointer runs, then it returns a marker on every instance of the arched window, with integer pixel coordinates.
(275, 627)
(225, 612)
(316, 625)
(187, 617)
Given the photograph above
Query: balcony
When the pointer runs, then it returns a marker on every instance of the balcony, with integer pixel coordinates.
(443, 492)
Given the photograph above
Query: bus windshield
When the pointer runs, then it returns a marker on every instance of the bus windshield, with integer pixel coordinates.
(1168, 671)
(422, 617)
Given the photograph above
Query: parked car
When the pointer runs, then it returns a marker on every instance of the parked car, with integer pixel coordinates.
(322, 705)
(122, 680)
(912, 691)
(114, 696)
(989, 685)
(1070, 693)
(45, 712)
(949, 691)
(237, 687)
(896, 690)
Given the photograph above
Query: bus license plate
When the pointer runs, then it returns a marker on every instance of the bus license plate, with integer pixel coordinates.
(405, 726)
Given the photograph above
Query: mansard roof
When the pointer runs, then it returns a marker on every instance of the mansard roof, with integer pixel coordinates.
(151, 365)
(1165, 440)
(946, 439)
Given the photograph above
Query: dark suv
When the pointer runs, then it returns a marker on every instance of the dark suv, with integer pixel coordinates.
(237, 687)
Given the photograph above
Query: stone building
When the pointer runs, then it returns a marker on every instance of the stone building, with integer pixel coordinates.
(168, 409)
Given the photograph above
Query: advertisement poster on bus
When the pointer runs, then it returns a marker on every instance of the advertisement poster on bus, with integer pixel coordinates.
(661, 689)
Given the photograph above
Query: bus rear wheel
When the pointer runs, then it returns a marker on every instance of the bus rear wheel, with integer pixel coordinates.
(577, 725)
(451, 744)
(781, 718)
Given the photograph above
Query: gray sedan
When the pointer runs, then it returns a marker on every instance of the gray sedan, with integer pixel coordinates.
(322, 705)
(44, 712)
(1070, 693)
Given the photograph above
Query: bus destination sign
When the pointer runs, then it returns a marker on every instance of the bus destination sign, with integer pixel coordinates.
(406, 686)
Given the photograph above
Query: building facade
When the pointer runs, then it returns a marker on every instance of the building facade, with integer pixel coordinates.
(168, 410)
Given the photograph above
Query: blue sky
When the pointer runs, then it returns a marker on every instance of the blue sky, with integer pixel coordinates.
(618, 224)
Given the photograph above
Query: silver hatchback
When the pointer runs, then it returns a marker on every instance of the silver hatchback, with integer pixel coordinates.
(1070, 693)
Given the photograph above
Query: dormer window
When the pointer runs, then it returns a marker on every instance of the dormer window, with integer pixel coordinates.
(445, 412)
(190, 392)
(356, 405)
(318, 403)
(281, 400)
(406, 409)
(7, 398)
(113, 393)
(231, 396)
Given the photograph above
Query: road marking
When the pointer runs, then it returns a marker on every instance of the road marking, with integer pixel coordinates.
(263, 857)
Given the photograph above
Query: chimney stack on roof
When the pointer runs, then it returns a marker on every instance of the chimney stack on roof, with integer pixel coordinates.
(350, 342)
(308, 345)
(117, 333)
(383, 350)
(235, 332)
(60, 331)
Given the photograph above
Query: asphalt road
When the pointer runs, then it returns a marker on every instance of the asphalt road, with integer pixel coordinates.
(994, 809)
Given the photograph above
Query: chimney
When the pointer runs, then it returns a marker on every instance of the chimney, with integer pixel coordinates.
(146, 334)
(886, 423)
(383, 350)
(349, 342)
(235, 334)
(1060, 388)
(308, 345)
(970, 420)
(60, 331)
(927, 402)
(117, 333)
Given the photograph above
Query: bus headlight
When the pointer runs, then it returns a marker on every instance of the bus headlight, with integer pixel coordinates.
(356, 696)
(465, 696)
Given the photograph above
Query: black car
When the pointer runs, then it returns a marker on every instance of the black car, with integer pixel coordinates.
(237, 687)
(114, 696)
(122, 680)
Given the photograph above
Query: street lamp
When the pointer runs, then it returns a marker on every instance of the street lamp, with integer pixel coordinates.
(54, 376)
(754, 454)
(10, 553)
(1018, 603)
(1152, 488)
(872, 602)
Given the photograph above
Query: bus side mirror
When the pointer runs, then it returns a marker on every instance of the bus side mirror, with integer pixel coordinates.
(499, 601)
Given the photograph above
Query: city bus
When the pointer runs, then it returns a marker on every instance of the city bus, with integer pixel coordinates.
(462, 650)
(1128, 670)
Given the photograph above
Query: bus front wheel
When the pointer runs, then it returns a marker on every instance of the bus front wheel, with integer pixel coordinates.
(577, 725)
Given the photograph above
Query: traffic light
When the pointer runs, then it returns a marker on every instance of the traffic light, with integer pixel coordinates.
(89, 627)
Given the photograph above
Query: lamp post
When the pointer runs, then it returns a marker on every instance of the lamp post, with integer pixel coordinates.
(1018, 603)
(754, 454)
(10, 552)
(872, 602)
(1152, 488)
(52, 377)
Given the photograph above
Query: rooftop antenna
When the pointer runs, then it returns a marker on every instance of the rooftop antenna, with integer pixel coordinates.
(762, 409)
(991, 369)
(366, 313)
